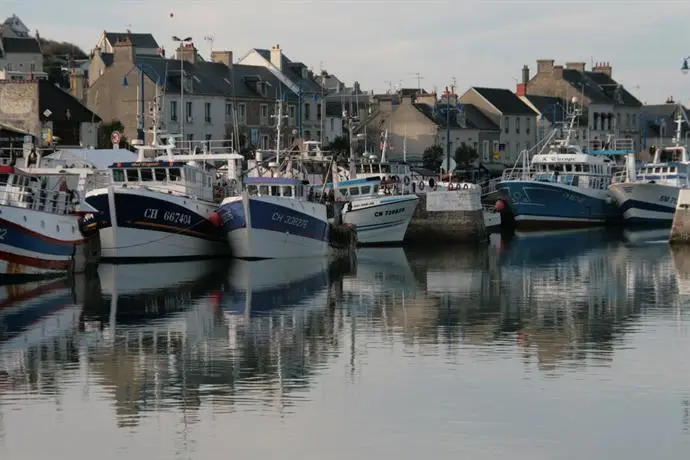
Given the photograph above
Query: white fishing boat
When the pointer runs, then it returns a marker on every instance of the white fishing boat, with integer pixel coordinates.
(648, 194)
(276, 215)
(164, 208)
(40, 212)
(378, 218)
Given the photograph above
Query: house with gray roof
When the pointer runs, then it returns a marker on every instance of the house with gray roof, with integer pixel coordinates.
(659, 124)
(102, 54)
(516, 120)
(609, 107)
(21, 57)
(298, 79)
(205, 100)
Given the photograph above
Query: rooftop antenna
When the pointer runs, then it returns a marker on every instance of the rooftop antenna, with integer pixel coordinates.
(210, 38)
(419, 78)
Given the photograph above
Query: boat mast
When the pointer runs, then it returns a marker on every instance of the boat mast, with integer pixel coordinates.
(679, 124)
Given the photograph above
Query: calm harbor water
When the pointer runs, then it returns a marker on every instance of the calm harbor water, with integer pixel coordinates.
(548, 346)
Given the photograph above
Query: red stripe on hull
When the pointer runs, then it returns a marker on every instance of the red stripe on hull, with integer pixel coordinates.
(23, 229)
(36, 292)
(33, 262)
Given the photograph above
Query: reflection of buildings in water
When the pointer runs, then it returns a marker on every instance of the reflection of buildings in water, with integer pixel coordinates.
(579, 289)
(681, 262)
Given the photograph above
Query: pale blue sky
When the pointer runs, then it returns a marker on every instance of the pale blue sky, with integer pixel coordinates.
(478, 42)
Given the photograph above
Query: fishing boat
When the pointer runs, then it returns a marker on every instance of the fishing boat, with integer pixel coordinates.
(40, 213)
(564, 185)
(647, 195)
(164, 208)
(276, 215)
(378, 218)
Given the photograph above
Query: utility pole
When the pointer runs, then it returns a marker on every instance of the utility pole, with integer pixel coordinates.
(419, 78)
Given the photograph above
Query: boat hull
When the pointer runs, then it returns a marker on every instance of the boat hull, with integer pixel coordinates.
(541, 205)
(268, 227)
(381, 220)
(645, 203)
(141, 225)
(36, 244)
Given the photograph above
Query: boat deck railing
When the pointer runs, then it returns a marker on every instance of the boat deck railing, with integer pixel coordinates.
(519, 173)
(38, 199)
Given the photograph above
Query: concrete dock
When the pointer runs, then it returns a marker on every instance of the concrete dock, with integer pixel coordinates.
(680, 231)
(453, 216)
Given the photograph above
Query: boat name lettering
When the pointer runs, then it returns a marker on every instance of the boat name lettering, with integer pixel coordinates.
(151, 213)
(145, 164)
(563, 158)
(667, 199)
(3, 234)
(290, 220)
(390, 212)
(177, 217)
(573, 197)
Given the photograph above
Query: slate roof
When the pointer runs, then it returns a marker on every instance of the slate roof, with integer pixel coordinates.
(551, 108)
(505, 101)
(214, 79)
(138, 40)
(656, 116)
(63, 106)
(21, 45)
(292, 71)
(600, 88)
(474, 118)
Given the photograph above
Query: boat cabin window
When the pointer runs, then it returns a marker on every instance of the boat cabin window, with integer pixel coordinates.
(147, 175)
(118, 175)
(376, 189)
(160, 174)
(3, 178)
(366, 190)
(354, 191)
(669, 155)
(132, 175)
(275, 190)
(175, 174)
(287, 190)
(263, 189)
(252, 189)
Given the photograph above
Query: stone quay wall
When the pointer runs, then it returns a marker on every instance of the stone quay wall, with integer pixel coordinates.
(680, 231)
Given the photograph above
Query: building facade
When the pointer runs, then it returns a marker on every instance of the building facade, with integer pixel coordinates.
(516, 120)
(21, 57)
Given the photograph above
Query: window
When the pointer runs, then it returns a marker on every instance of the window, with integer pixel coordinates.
(319, 109)
(517, 125)
(132, 175)
(332, 124)
(9, 67)
(188, 111)
(366, 190)
(496, 150)
(287, 190)
(174, 174)
(208, 137)
(506, 124)
(307, 111)
(32, 67)
(618, 121)
(207, 112)
(634, 121)
(307, 135)
(264, 111)
(160, 174)
(485, 151)
(264, 142)
(627, 121)
(528, 123)
(118, 176)
(228, 110)
(291, 111)
(241, 113)
(147, 175)
(190, 137)
(173, 110)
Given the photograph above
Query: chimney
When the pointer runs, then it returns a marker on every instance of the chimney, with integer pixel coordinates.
(545, 65)
(579, 66)
(222, 57)
(123, 50)
(186, 52)
(521, 89)
(602, 67)
(77, 84)
(558, 72)
(525, 74)
(277, 57)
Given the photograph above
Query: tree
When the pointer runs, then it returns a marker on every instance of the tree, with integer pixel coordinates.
(58, 56)
(105, 130)
(433, 157)
(339, 146)
(464, 155)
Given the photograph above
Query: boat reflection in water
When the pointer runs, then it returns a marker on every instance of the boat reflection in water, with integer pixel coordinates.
(35, 320)
(263, 285)
(647, 235)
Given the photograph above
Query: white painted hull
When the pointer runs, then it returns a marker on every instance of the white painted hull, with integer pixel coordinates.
(263, 227)
(132, 234)
(36, 243)
(646, 203)
(381, 220)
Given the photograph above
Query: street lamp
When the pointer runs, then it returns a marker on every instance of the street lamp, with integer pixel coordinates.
(182, 41)
(685, 68)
